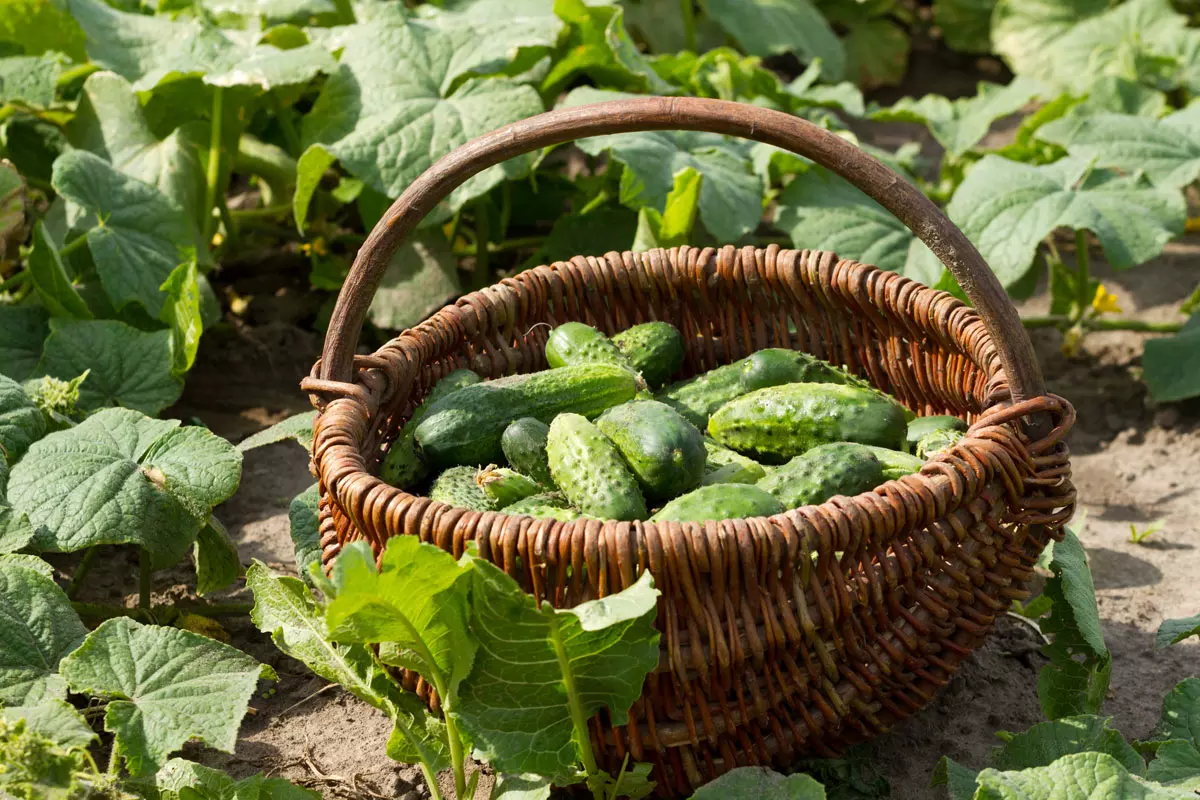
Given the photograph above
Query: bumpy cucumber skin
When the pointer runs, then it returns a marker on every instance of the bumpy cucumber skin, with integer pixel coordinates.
(574, 343)
(721, 501)
(841, 468)
(548, 499)
(654, 349)
(722, 465)
(780, 422)
(524, 445)
(895, 463)
(589, 470)
(544, 512)
(938, 441)
(664, 450)
(402, 467)
(457, 487)
(921, 427)
(776, 366)
(466, 426)
(503, 486)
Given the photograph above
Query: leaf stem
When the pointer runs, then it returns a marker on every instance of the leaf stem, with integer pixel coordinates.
(1083, 279)
(579, 719)
(600, 199)
(85, 566)
(483, 235)
(287, 126)
(78, 243)
(214, 163)
(435, 791)
(145, 579)
(688, 15)
(114, 760)
(15, 281)
(516, 243)
(69, 76)
(263, 212)
(1102, 324)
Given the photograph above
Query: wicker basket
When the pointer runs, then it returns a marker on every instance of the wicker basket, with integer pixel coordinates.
(783, 636)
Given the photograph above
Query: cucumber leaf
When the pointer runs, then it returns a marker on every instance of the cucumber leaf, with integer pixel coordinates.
(21, 421)
(180, 779)
(1181, 713)
(25, 560)
(598, 45)
(1174, 631)
(216, 558)
(535, 664)
(674, 225)
(28, 80)
(23, 329)
(958, 780)
(298, 427)
(122, 478)
(766, 28)
(165, 686)
(34, 27)
(305, 526)
(1172, 364)
(387, 120)
(182, 314)
(55, 719)
(1046, 742)
(762, 783)
(421, 278)
(1025, 32)
(521, 787)
(37, 628)
(876, 52)
(966, 24)
(1081, 776)
(50, 278)
(1176, 763)
(1076, 679)
(496, 36)
(129, 368)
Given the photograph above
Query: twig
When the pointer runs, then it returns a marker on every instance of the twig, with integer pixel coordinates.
(1045, 639)
(299, 703)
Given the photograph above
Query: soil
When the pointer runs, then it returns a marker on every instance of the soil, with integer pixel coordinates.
(1134, 463)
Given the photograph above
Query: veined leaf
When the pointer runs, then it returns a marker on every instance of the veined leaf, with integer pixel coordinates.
(37, 628)
(24, 559)
(21, 421)
(34, 27)
(216, 557)
(958, 780)
(128, 367)
(285, 608)
(29, 80)
(13, 207)
(674, 225)
(504, 36)
(876, 52)
(1174, 631)
(538, 671)
(1026, 32)
(1181, 713)
(966, 24)
(122, 478)
(50, 278)
(272, 11)
(421, 277)
(959, 125)
(599, 46)
(769, 27)
(388, 121)
(310, 168)
(1172, 364)
(182, 314)
(298, 427)
(761, 783)
(1082, 776)
(165, 686)
(1046, 742)
(305, 526)
(521, 787)
(1076, 679)
(55, 719)
(1177, 764)
(23, 329)
(1122, 96)
(180, 779)
(820, 210)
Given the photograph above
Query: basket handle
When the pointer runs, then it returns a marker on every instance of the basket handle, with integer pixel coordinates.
(783, 130)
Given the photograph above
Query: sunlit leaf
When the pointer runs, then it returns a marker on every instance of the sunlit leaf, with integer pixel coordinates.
(37, 628)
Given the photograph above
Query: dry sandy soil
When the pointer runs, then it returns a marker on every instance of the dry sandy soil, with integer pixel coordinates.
(1134, 463)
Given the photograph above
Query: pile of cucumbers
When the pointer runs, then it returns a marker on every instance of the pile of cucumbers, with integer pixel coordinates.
(601, 434)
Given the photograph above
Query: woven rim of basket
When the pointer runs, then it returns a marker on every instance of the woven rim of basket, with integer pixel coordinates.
(1036, 475)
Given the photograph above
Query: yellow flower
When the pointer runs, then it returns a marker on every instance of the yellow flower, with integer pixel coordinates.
(317, 247)
(1105, 302)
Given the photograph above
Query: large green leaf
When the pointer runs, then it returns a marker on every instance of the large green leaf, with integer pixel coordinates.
(821, 211)
(1167, 150)
(493, 36)
(25, 559)
(55, 719)
(50, 278)
(141, 235)
(183, 315)
(959, 125)
(1174, 631)
(958, 780)
(23, 329)
(304, 524)
(770, 27)
(599, 46)
(535, 665)
(38, 26)
(272, 11)
(1076, 679)
(21, 421)
(122, 478)
(129, 368)
(966, 24)
(761, 783)
(29, 80)
(876, 53)
(1172, 364)
(387, 120)
(1181, 713)
(37, 628)
(421, 277)
(180, 779)
(285, 608)
(216, 557)
(1046, 742)
(731, 198)
(165, 687)
(298, 428)
(1026, 32)
(1176, 763)
(1007, 209)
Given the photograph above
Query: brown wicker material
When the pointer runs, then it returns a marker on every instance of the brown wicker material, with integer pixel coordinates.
(782, 636)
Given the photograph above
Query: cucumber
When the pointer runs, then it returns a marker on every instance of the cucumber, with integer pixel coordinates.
(780, 422)
(895, 463)
(722, 501)
(524, 445)
(503, 486)
(827, 470)
(466, 426)
(546, 499)
(574, 343)
(589, 470)
(722, 465)
(938, 441)
(664, 450)
(402, 467)
(698, 399)
(457, 487)
(921, 427)
(655, 349)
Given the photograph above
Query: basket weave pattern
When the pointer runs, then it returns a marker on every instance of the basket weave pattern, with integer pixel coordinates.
(795, 634)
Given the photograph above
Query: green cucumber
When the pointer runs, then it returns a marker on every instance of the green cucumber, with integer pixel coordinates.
(921, 427)
(722, 465)
(550, 499)
(938, 441)
(655, 349)
(780, 422)
(457, 487)
(664, 450)
(896, 464)
(574, 343)
(589, 470)
(504, 486)
(466, 427)
(721, 501)
(839, 468)
(402, 466)
(524, 445)
(775, 366)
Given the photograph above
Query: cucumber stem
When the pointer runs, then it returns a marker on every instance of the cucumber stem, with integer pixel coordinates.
(214, 163)
(85, 566)
(1082, 275)
(579, 718)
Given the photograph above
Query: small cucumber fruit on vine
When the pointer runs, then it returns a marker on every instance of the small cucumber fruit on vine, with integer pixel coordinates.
(457, 487)
(655, 349)
(524, 445)
(664, 450)
(589, 470)
(839, 468)
(402, 466)
(720, 501)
